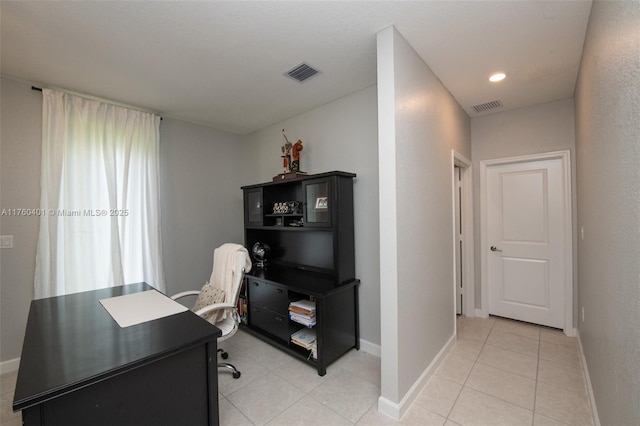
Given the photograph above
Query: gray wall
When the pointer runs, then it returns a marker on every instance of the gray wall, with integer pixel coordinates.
(201, 200)
(20, 147)
(608, 157)
(532, 130)
(341, 135)
(419, 124)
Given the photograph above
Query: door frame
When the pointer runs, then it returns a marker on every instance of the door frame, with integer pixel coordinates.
(468, 256)
(565, 157)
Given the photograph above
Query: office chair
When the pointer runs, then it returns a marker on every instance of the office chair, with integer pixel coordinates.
(218, 298)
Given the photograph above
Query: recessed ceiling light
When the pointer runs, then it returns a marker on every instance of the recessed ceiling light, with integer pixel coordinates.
(499, 76)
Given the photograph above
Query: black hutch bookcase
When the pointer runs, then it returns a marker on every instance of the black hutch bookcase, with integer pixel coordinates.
(307, 223)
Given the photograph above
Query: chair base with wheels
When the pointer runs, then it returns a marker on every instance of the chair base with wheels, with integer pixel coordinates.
(234, 371)
(230, 325)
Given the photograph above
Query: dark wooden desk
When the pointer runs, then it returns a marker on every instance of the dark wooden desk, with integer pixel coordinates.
(78, 367)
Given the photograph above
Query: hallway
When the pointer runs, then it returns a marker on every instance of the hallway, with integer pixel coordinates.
(504, 372)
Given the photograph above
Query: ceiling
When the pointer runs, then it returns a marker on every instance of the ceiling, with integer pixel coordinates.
(221, 64)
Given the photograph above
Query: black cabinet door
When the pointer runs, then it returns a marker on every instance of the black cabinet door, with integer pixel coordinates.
(318, 203)
(271, 322)
(268, 296)
(253, 207)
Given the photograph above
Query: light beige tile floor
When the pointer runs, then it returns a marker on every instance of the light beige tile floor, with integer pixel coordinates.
(522, 375)
(500, 372)
(7, 386)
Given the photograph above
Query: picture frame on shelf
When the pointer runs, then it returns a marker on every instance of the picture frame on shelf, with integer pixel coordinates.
(322, 203)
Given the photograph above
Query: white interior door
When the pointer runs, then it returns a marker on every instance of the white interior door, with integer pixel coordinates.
(526, 241)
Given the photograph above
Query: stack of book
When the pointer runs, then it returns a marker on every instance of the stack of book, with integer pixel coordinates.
(241, 307)
(306, 338)
(303, 312)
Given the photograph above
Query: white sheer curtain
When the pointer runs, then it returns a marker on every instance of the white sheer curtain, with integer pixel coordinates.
(100, 222)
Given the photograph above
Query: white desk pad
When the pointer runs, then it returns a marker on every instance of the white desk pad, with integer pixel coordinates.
(136, 308)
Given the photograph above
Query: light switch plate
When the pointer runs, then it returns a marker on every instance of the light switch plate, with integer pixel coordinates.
(6, 241)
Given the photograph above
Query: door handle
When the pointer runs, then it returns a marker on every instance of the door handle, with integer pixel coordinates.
(494, 248)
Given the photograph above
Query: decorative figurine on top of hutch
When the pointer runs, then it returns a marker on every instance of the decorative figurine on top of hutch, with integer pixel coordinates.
(290, 160)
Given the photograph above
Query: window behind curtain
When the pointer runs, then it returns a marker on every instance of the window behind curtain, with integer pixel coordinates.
(100, 225)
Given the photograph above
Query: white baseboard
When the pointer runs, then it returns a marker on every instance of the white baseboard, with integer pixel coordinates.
(396, 410)
(9, 366)
(370, 348)
(594, 411)
(481, 313)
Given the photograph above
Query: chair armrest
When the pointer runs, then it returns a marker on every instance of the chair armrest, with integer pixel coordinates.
(185, 293)
(215, 307)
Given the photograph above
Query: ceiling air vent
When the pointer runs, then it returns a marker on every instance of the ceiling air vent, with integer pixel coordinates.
(302, 72)
(487, 106)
